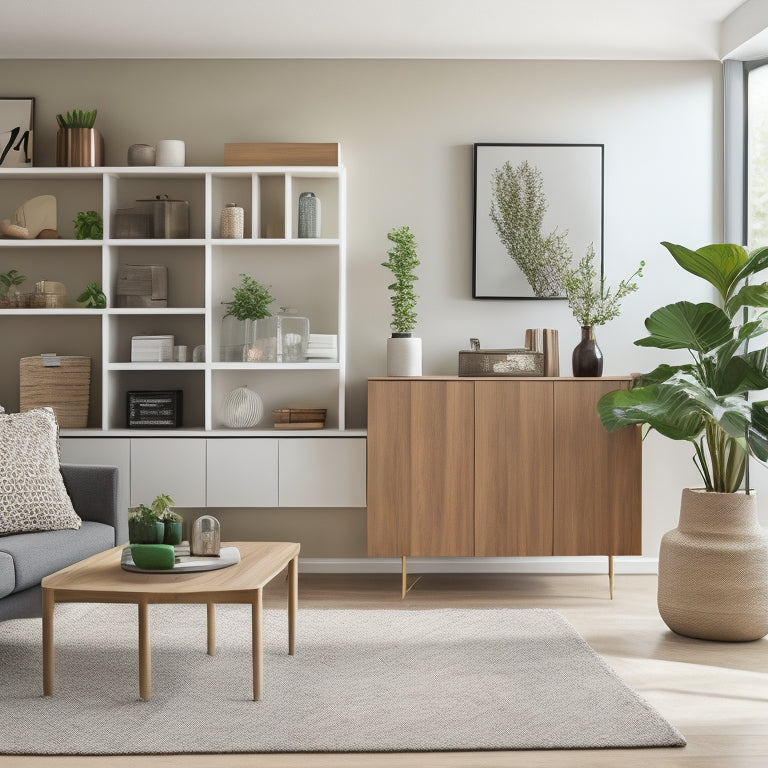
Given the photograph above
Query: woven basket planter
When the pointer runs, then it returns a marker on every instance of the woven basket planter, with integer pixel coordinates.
(65, 387)
(713, 569)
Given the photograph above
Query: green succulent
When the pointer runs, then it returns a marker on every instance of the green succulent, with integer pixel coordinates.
(77, 118)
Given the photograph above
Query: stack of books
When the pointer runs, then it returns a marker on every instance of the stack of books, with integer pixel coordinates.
(323, 346)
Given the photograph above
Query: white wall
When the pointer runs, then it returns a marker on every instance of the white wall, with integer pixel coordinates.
(406, 130)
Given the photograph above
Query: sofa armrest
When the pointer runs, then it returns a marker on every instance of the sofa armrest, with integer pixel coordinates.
(93, 490)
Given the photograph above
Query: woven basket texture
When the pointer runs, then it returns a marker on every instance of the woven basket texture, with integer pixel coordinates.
(65, 388)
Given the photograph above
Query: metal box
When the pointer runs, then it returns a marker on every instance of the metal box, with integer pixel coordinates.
(141, 285)
(170, 218)
(500, 362)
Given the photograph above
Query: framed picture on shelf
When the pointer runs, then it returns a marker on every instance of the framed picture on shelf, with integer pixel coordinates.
(538, 208)
(17, 119)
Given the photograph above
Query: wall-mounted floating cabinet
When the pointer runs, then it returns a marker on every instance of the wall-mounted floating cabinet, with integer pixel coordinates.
(307, 274)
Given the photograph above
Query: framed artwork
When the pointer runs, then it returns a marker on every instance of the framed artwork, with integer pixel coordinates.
(538, 209)
(17, 118)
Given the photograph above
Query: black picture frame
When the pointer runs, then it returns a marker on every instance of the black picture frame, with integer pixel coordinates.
(571, 179)
(17, 122)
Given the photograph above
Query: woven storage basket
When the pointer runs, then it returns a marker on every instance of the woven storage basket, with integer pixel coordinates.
(65, 387)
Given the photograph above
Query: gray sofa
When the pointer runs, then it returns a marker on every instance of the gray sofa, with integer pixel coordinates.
(25, 558)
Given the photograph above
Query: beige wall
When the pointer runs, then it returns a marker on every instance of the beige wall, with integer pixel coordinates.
(406, 130)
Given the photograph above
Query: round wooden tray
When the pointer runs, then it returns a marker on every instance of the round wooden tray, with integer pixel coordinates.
(187, 564)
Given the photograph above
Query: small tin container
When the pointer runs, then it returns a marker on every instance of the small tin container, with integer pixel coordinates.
(170, 218)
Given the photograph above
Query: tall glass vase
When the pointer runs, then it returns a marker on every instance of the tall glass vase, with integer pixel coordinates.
(587, 358)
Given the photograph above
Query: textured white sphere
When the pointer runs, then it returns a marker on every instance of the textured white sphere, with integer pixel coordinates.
(242, 408)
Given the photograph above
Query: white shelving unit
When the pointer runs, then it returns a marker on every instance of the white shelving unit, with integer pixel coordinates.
(308, 274)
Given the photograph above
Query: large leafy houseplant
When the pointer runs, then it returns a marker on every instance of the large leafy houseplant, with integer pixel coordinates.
(402, 261)
(706, 401)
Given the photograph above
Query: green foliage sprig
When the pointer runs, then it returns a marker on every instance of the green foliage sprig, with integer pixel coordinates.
(157, 510)
(88, 226)
(7, 279)
(77, 118)
(591, 302)
(518, 205)
(92, 296)
(250, 300)
(403, 260)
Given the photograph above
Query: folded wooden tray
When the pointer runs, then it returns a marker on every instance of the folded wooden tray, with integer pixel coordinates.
(299, 418)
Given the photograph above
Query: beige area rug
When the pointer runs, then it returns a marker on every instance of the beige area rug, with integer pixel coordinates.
(361, 681)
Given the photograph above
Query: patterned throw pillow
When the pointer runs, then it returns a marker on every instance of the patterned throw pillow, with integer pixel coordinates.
(32, 493)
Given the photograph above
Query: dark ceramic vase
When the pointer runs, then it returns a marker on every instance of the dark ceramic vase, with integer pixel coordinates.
(587, 357)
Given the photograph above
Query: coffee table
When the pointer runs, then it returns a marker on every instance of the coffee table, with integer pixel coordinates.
(100, 579)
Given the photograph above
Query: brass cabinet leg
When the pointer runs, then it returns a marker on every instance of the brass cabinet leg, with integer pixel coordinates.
(145, 658)
(48, 666)
(211, 628)
(610, 575)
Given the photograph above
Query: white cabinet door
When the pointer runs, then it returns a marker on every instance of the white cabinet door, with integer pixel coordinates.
(110, 451)
(242, 472)
(172, 465)
(322, 472)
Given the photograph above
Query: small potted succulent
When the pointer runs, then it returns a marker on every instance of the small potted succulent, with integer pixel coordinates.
(78, 143)
(403, 349)
(174, 524)
(146, 524)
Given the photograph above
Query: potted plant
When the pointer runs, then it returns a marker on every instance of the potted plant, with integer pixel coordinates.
(250, 303)
(403, 349)
(88, 226)
(592, 304)
(173, 527)
(92, 296)
(146, 524)
(8, 282)
(713, 568)
(78, 143)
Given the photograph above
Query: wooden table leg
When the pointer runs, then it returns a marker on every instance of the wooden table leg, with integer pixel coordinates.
(256, 645)
(610, 576)
(145, 656)
(49, 604)
(211, 628)
(293, 602)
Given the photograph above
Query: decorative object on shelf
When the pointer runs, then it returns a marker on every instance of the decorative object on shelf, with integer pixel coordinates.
(323, 346)
(403, 349)
(707, 402)
(198, 354)
(141, 285)
(242, 409)
(170, 152)
(141, 154)
(152, 349)
(49, 294)
(587, 358)
(299, 418)
(57, 381)
(132, 224)
(309, 215)
(8, 288)
(593, 304)
(35, 219)
(283, 337)
(17, 122)
(250, 303)
(282, 153)
(170, 218)
(78, 143)
(499, 362)
(515, 257)
(92, 296)
(206, 537)
(232, 222)
(546, 341)
(155, 409)
(180, 353)
(89, 226)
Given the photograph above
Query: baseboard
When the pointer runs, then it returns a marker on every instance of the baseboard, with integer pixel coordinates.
(553, 565)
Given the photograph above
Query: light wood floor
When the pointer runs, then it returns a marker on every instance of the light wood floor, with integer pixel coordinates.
(715, 693)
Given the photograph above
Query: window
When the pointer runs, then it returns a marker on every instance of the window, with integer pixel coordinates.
(757, 154)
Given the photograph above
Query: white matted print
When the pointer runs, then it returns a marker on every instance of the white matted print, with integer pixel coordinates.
(17, 117)
(538, 207)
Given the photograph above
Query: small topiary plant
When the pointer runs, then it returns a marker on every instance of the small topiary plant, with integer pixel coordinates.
(250, 300)
(403, 260)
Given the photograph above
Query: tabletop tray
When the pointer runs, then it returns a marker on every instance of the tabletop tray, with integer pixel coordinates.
(188, 564)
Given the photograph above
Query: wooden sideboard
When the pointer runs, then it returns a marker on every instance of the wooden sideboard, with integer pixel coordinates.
(462, 467)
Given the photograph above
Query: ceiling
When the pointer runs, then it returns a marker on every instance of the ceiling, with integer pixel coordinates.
(474, 29)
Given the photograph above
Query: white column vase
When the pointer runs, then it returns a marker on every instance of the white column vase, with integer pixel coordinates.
(403, 356)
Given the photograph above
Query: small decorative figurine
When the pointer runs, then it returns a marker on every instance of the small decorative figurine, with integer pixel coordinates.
(206, 537)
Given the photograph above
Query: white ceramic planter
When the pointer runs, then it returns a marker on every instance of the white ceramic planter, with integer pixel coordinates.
(404, 356)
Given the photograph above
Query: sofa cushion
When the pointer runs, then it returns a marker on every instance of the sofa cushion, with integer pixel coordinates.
(7, 574)
(36, 555)
(32, 492)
